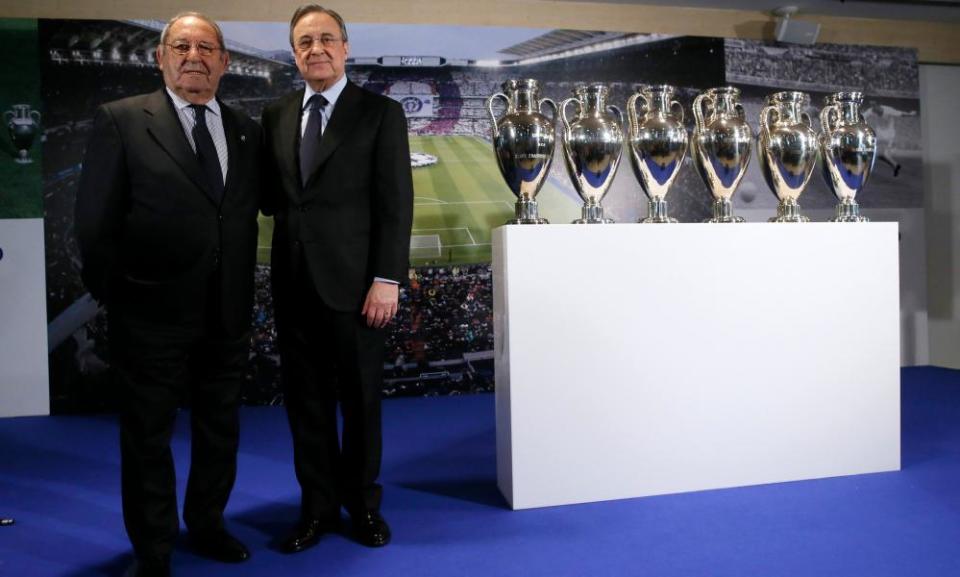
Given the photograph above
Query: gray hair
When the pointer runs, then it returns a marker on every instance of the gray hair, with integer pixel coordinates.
(198, 15)
(314, 8)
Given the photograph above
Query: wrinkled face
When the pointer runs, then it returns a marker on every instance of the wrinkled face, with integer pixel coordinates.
(320, 50)
(192, 60)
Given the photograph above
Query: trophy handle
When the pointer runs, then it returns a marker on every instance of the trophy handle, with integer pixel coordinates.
(632, 112)
(826, 123)
(493, 117)
(764, 122)
(698, 110)
(806, 120)
(553, 106)
(8, 116)
(563, 111)
(678, 108)
(618, 112)
(741, 111)
(35, 115)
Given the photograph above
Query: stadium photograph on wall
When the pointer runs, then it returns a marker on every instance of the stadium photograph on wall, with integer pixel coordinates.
(20, 151)
(442, 339)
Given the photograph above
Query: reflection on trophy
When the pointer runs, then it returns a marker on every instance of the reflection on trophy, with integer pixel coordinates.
(788, 151)
(658, 143)
(849, 147)
(592, 144)
(721, 140)
(22, 123)
(523, 141)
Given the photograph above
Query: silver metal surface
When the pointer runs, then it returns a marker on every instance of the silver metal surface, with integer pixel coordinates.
(848, 147)
(22, 124)
(658, 145)
(788, 151)
(523, 142)
(722, 141)
(592, 145)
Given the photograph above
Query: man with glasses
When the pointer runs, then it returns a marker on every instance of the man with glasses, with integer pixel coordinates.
(338, 181)
(166, 221)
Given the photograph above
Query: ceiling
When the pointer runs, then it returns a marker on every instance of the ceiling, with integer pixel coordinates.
(929, 10)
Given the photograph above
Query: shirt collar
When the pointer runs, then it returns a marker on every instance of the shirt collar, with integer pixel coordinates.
(179, 103)
(331, 94)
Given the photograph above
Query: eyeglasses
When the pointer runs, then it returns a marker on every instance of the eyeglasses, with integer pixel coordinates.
(182, 48)
(327, 40)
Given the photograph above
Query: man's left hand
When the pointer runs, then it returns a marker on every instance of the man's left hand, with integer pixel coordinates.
(381, 304)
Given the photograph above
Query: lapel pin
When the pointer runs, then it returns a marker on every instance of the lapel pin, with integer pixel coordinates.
(243, 138)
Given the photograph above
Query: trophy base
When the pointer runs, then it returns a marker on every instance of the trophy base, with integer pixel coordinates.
(850, 219)
(592, 214)
(723, 212)
(528, 221)
(593, 221)
(22, 160)
(725, 219)
(849, 211)
(526, 212)
(657, 212)
(789, 212)
(797, 218)
(658, 220)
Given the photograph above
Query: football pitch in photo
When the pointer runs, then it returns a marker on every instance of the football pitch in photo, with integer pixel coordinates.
(458, 200)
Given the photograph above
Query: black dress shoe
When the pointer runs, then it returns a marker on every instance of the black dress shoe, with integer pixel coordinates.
(371, 529)
(307, 533)
(149, 567)
(219, 545)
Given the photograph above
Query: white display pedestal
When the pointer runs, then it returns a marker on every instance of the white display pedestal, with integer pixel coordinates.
(637, 360)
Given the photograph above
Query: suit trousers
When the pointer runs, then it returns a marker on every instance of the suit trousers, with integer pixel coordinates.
(159, 366)
(331, 358)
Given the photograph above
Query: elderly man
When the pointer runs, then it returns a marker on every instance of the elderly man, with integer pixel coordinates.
(338, 180)
(166, 220)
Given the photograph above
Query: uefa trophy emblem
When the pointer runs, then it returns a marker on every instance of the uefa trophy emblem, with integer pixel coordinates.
(849, 148)
(592, 144)
(658, 145)
(22, 124)
(788, 151)
(722, 140)
(523, 142)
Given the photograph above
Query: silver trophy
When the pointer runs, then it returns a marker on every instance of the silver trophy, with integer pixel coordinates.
(658, 144)
(22, 123)
(722, 141)
(592, 144)
(788, 151)
(849, 147)
(523, 142)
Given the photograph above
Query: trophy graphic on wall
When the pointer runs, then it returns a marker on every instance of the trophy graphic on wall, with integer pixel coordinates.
(592, 144)
(722, 141)
(788, 151)
(658, 144)
(523, 142)
(22, 124)
(849, 148)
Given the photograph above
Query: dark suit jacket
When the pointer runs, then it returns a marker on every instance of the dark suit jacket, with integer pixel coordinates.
(153, 239)
(352, 221)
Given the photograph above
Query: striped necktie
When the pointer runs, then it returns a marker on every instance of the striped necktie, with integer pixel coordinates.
(207, 152)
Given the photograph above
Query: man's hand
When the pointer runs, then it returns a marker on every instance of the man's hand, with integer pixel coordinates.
(381, 303)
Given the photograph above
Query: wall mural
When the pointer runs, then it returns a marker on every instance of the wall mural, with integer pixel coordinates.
(442, 341)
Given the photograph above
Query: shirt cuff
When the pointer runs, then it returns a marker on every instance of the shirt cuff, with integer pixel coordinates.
(384, 280)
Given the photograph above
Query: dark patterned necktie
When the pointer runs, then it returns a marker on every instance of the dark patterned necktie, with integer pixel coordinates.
(310, 143)
(206, 151)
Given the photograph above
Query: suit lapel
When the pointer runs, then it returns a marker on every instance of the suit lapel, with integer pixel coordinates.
(288, 138)
(346, 113)
(164, 125)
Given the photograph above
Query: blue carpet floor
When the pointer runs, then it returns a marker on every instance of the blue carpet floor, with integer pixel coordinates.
(59, 477)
